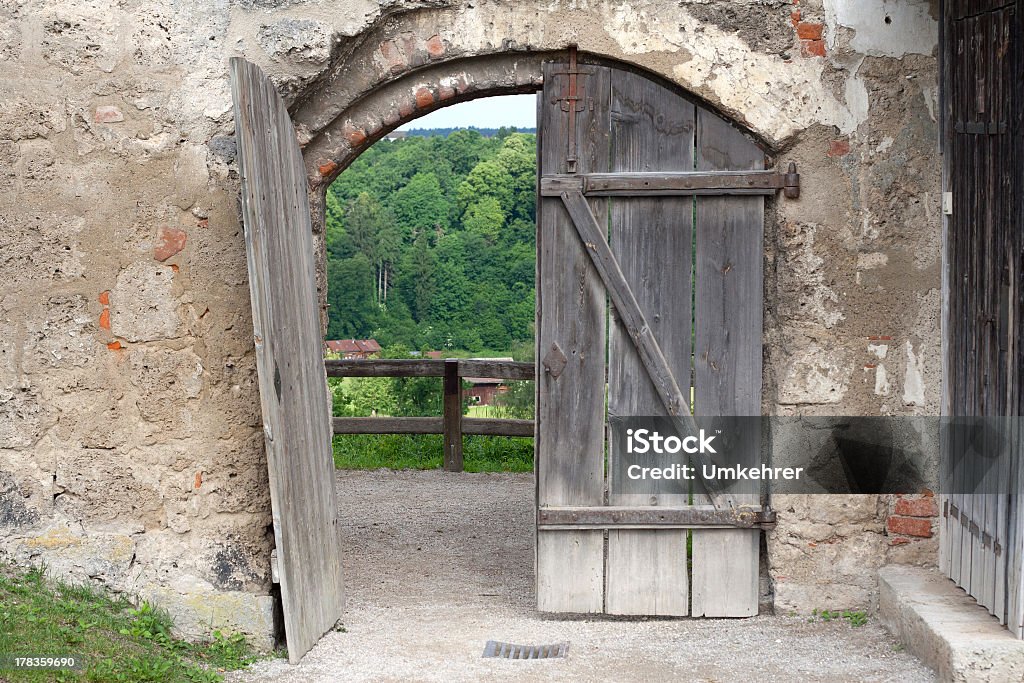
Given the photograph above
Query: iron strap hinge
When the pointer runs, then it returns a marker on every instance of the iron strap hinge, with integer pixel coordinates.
(654, 517)
(674, 183)
(951, 510)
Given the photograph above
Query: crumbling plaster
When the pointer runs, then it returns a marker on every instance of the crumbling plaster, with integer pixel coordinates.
(130, 448)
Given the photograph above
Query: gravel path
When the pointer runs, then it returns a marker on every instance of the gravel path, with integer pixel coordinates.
(439, 563)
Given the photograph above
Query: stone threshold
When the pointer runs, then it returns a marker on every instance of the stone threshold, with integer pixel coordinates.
(946, 628)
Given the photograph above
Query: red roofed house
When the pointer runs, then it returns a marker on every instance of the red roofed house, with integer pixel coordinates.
(352, 348)
(484, 391)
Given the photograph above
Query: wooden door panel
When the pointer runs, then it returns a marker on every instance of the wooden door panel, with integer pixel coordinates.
(289, 359)
(570, 356)
(651, 237)
(635, 249)
(727, 360)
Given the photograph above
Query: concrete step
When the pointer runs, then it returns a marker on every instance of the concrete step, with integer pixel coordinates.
(946, 628)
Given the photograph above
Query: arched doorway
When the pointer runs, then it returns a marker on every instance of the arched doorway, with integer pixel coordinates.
(606, 131)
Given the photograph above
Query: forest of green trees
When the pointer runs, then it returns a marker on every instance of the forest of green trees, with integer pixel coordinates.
(431, 241)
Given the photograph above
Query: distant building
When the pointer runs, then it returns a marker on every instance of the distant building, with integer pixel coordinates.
(435, 354)
(484, 391)
(352, 348)
(396, 135)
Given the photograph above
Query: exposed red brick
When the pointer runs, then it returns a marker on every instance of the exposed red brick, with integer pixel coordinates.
(917, 507)
(327, 168)
(393, 55)
(355, 136)
(899, 540)
(794, 17)
(812, 48)
(435, 46)
(114, 345)
(869, 366)
(910, 526)
(405, 109)
(424, 98)
(174, 267)
(169, 241)
(199, 479)
(104, 298)
(203, 223)
(105, 319)
(107, 114)
(806, 30)
(445, 92)
(838, 148)
(880, 337)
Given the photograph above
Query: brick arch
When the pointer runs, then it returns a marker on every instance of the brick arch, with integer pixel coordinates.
(411, 95)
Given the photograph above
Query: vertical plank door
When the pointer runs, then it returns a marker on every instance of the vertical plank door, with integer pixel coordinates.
(727, 360)
(289, 359)
(571, 313)
(652, 129)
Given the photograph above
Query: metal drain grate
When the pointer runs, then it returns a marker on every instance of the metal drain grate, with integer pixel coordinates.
(510, 651)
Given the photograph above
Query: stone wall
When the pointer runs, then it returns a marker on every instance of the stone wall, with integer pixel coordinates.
(130, 448)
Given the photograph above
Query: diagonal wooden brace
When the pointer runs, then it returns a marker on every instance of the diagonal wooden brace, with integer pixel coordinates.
(589, 230)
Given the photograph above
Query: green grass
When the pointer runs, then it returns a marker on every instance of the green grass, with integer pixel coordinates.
(120, 642)
(854, 617)
(424, 452)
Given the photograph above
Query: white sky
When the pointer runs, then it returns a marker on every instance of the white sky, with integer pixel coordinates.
(487, 112)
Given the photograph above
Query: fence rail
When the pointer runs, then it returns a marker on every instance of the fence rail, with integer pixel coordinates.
(451, 424)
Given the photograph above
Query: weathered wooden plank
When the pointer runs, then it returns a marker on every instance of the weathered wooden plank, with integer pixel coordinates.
(499, 369)
(387, 425)
(647, 572)
(292, 383)
(727, 357)
(569, 445)
(451, 418)
(629, 313)
(652, 144)
(663, 183)
(387, 367)
(384, 367)
(655, 516)
(482, 426)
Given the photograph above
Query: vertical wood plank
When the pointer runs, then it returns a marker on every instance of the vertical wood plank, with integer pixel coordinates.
(652, 129)
(452, 417)
(727, 359)
(289, 360)
(569, 444)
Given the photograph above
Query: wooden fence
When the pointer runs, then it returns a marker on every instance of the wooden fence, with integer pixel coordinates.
(451, 424)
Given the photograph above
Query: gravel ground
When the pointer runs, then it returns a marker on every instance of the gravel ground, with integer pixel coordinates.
(439, 563)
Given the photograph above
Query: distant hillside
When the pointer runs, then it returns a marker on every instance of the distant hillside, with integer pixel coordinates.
(431, 242)
(504, 131)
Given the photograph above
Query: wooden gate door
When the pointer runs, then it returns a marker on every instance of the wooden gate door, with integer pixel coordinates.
(982, 530)
(289, 359)
(633, 178)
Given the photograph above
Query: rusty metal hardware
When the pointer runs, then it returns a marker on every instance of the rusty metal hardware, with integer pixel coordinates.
(791, 182)
(951, 510)
(612, 517)
(573, 103)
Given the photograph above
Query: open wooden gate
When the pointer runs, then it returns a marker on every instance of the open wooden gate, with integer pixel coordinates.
(982, 530)
(633, 178)
(289, 359)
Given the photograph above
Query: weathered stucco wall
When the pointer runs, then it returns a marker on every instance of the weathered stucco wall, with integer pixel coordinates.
(130, 448)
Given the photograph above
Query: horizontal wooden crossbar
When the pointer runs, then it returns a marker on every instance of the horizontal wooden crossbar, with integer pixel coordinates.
(430, 425)
(613, 517)
(673, 183)
(427, 367)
